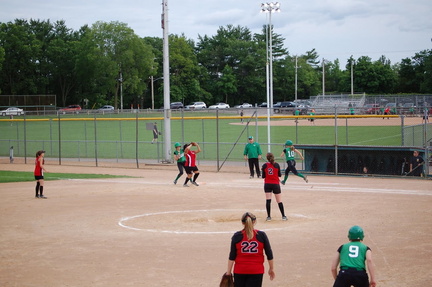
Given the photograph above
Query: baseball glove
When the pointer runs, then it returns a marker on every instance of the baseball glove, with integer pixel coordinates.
(226, 281)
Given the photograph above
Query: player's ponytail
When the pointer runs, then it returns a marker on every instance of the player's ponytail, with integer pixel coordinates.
(248, 220)
(270, 157)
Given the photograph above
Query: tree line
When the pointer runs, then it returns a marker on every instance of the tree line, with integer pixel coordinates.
(100, 61)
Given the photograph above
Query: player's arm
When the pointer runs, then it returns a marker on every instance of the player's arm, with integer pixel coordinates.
(230, 266)
(271, 271)
(371, 268)
(299, 153)
(283, 154)
(259, 152)
(41, 164)
(245, 152)
(334, 265)
(198, 147)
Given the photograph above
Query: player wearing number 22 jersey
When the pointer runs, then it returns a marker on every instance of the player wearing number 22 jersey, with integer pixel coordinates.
(247, 254)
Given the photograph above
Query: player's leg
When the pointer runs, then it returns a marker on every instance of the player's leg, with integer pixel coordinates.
(251, 167)
(188, 177)
(268, 194)
(37, 188)
(294, 171)
(257, 168)
(195, 176)
(278, 196)
(180, 167)
(287, 170)
(41, 188)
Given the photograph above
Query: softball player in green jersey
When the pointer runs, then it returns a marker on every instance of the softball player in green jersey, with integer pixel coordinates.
(351, 257)
(180, 158)
(289, 154)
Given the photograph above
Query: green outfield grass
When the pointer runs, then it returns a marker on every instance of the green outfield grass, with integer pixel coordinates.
(117, 136)
(20, 176)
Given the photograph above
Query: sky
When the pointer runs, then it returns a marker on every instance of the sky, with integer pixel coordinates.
(336, 29)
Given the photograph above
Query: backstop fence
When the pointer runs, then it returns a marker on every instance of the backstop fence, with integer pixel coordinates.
(337, 143)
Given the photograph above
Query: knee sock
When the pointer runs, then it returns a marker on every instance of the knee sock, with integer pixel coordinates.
(268, 206)
(41, 190)
(286, 177)
(37, 188)
(195, 176)
(186, 180)
(281, 208)
(301, 175)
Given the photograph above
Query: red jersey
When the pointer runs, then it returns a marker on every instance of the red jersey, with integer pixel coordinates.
(190, 159)
(271, 173)
(250, 255)
(38, 171)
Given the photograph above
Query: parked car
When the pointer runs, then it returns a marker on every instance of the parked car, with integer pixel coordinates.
(12, 111)
(243, 106)
(106, 108)
(219, 106)
(196, 105)
(263, 105)
(371, 109)
(71, 109)
(285, 107)
(176, 105)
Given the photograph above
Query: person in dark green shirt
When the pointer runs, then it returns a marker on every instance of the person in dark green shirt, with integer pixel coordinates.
(352, 258)
(252, 153)
(180, 159)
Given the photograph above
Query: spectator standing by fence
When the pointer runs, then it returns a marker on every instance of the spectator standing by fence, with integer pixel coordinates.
(252, 153)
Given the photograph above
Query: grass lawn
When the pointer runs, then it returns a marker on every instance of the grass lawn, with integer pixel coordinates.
(20, 176)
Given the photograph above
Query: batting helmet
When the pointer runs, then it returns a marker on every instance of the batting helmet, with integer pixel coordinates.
(177, 145)
(355, 233)
(289, 143)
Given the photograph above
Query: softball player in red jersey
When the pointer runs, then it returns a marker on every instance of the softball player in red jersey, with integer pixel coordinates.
(271, 172)
(247, 254)
(190, 164)
(39, 173)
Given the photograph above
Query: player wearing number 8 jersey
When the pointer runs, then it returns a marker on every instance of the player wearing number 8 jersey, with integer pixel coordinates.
(351, 257)
(271, 172)
(289, 153)
(247, 254)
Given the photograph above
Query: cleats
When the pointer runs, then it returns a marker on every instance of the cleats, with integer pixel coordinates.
(185, 185)
(284, 218)
(43, 196)
(175, 181)
(283, 182)
(305, 179)
(268, 218)
(194, 183)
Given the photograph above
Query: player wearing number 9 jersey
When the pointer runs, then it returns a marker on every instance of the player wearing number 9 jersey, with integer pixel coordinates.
(352, 257)
(247, 254)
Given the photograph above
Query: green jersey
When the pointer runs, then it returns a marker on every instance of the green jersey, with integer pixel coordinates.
(289, 154)
(181, 154)
(252, 150)
(353, 255)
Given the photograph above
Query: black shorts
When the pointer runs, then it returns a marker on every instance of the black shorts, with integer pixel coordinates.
(190, 169)
(271, 187)
(37, 177)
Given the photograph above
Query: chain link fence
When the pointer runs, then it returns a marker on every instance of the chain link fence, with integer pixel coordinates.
(94, 138)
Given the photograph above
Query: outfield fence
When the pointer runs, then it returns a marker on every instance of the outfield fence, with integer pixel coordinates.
(92, 138)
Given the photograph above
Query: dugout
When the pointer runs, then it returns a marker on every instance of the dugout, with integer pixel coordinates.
(379, 160)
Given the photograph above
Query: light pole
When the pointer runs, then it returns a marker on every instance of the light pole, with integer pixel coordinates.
(269, 8)
(166, 77)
